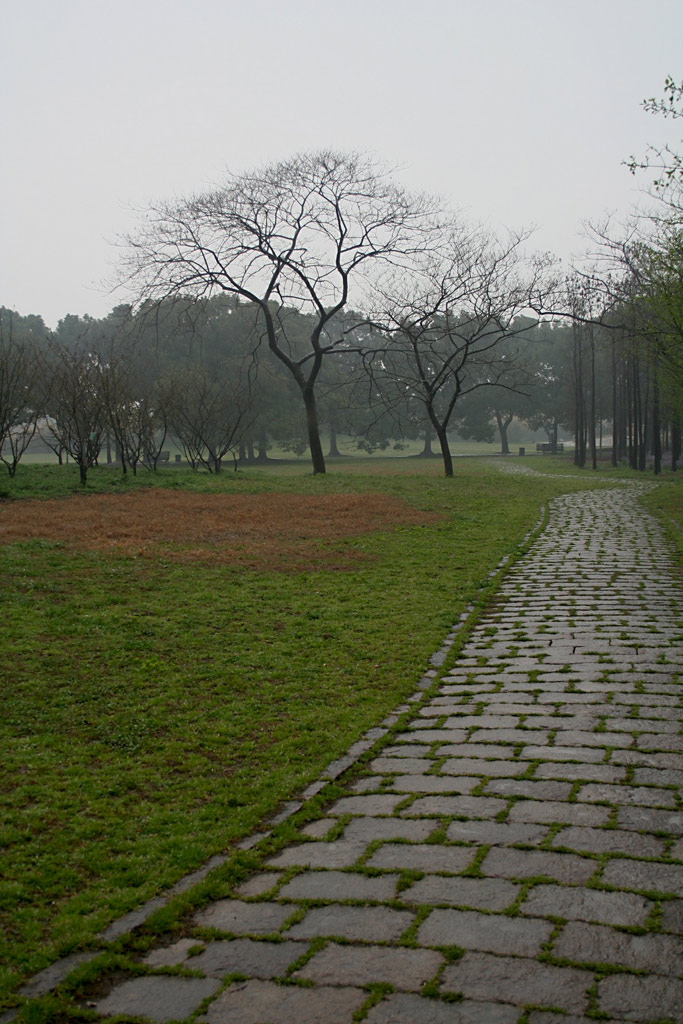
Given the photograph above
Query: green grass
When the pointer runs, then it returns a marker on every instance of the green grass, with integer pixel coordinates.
(666, 503)
(396, 450)
(154, 713)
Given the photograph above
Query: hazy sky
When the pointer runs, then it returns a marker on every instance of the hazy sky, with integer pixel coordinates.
(519, 112)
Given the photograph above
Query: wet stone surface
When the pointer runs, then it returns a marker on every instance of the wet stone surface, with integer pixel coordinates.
(513, 847)
(518, 980)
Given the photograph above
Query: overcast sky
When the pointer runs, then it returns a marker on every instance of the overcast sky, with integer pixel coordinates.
(519, 112)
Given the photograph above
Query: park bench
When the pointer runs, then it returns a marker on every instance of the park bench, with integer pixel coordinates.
(546, 448)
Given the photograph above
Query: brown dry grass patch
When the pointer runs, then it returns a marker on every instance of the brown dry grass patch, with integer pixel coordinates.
(263, 531)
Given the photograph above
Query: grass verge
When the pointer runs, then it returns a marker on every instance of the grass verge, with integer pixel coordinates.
(666, 503)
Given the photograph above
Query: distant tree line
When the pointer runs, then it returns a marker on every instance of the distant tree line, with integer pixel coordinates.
(121, 387)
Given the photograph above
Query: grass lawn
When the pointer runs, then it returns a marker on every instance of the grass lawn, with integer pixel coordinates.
(666, 503)
(155, 709)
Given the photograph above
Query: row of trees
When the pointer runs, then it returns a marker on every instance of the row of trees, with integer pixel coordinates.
(384, 315)
(104, 384)
(125, 383)
(636, 285)
(194, 371)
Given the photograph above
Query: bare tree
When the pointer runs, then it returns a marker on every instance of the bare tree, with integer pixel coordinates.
(133, 406)
(664, 162)
(76, 412)
(209, 414)
(445, 321)
(20, 396)
(297, 235)
(635, 271)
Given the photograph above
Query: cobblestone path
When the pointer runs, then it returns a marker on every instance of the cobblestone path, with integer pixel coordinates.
(515, 854)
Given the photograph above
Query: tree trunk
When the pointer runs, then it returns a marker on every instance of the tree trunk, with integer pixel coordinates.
(615, 415)
(623, 413)
(313, 428)
(632, 415)
(656, 426)
(427, 452)
(445, 450)
(553, 440)
(591, 436)
(503, 425)
(579, 401)
(334, 451)
(644, 423)
(675, 444)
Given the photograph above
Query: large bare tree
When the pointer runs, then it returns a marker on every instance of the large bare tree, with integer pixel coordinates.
(302, 235)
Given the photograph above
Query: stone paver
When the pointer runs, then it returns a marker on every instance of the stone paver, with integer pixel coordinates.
(170, 956)
(368, 830)
(480, 893)
(609, 840)
(243, 918)
(544, 1017)
(369, 924)
(339, 885)
(477, 766)
(405, 969)
(598, 944)
(554, 811)
(341, 854)
(495, 833)
(403, 1008)
(492, 933)
(433, 784)
(529, 787)
(483, 807)
(646, 819)
(161, 998)
(244, 956)
(411, 857)
(254, 1002)
(565, 867)
(672, 917)
(522, 832)
(642, 999)
(259, 884)
(633, 874)
(380, 804)
(518, 980)
(577, 904)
